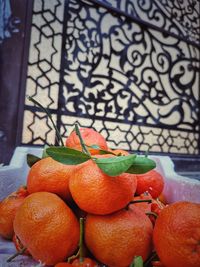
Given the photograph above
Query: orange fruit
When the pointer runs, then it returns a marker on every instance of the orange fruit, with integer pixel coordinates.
(152, 209)
(151, 182)
(50, 176)
(157, 264)
(63, 264)
(8, 209)
(90, 137)
(96, 192)
(176, 235)
(47, 227)
(115, 239)
(87, 262)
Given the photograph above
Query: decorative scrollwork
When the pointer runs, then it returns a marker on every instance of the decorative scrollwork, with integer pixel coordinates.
(176, 17)
(134, 84)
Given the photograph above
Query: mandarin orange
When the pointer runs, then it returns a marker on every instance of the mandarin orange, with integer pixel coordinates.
(8, 209)
(90, 137)
(151, 182)
(176, 235)
(87, 262)
(50, 176)
(47, 227)
(115, 239)
(96, 192)
(157, 264)
(63, 264)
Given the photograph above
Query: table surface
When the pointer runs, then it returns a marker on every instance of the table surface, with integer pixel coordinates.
(7, 249)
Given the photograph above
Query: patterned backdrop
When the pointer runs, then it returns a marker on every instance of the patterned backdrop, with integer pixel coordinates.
(129, 69)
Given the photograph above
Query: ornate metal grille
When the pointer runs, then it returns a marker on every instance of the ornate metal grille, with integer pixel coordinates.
(130, 69)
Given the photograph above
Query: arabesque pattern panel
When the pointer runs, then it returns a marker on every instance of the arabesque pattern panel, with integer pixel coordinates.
(136, 85)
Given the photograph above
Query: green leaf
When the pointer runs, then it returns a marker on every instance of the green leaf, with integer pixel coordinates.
(137, 262)
(115, 165)
(83, 145)
(141, 165)
(67, 155)
(31, 159)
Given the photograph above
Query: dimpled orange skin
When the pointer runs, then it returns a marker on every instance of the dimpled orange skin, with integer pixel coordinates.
(151, 182)
(50, 176)
(63, 264)
(116, 238)
(90, 137)
(176, 235)
(97, 193)
(8, 209)
(47, 227)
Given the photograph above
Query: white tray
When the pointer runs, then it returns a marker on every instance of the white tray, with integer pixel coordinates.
(176, 188)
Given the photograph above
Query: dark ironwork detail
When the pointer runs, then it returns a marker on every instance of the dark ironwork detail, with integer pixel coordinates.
(178, 18)
(135, 85)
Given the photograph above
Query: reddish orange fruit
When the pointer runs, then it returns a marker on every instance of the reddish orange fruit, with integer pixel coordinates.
(151, 182)
(115, 239)
(50, 176)
(151, 209)
(8, 209)
(157, 264)
(97, 193)
(63, 264)
(177, 235)
(87, 262)
(47, 227)
(90, 137)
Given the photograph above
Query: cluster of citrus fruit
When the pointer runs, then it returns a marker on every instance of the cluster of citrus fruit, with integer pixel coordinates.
(124, 220)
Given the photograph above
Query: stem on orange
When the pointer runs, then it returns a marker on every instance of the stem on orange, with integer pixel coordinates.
(80, 253)
(73, 256)
(151, 257)
(140, 200)
(16, 254)
(84, 148)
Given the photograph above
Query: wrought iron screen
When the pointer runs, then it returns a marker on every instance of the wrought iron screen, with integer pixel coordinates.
(130, 69)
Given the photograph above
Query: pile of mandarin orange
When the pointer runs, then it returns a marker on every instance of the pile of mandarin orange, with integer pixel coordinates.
(124, 216)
